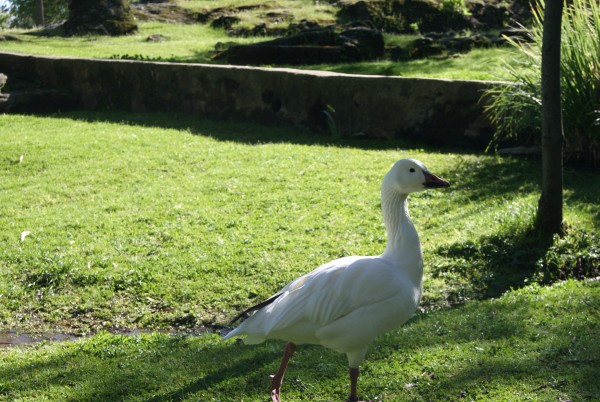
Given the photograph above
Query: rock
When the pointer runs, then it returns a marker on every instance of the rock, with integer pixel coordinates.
(102, 17)
(303, 25)
(465, 43)
(260, 30)
(366, 43)
(156, 38)
(517, 34)
(355, 11)
(383, 15)
(310, 47)
(9, 38)
(436, 43)
(486, 16)
(520, 11)
(224, 21)
(163, 11)
(426, 47)
(402, 16)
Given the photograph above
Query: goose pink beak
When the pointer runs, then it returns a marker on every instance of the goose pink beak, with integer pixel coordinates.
(432, 181)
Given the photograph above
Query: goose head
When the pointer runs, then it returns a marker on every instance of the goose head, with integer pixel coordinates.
(410, 176)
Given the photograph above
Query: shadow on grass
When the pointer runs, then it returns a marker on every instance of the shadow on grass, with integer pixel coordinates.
(520, 253)
(540, 343)
(249, 133)
(490, 266)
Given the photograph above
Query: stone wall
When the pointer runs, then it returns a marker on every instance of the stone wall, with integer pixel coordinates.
(437, 111)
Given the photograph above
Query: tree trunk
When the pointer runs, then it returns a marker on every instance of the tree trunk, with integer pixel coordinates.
(39, 12)
(550, 213)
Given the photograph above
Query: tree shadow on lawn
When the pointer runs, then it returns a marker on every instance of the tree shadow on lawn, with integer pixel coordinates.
(544, 336)
(250, 133)
(519, 254)
(526, 338)
(492, 265)
(478, 179)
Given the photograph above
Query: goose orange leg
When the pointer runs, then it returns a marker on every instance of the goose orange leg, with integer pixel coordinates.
(353, 382)
(277, 379)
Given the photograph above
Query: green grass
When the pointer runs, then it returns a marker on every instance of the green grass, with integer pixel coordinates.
(184, 43)
(536, 344)
(160, 221)
(195, 43)
(478, 64)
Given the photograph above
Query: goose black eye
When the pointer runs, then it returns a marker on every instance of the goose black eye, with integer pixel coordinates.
(412, 170)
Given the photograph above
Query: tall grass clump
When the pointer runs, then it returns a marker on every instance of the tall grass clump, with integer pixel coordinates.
(516, 109)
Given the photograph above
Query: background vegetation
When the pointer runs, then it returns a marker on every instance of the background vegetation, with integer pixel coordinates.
(195, 42)
(516, 110)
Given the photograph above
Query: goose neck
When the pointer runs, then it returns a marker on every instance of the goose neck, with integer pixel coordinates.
(401, 233)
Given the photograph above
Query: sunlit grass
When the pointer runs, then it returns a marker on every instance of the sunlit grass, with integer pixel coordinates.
(160, 220)
(182, 42)
(478, 64)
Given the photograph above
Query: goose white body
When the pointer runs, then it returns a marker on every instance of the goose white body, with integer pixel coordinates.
(344, 304)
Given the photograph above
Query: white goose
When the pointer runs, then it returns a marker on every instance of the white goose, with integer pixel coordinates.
(344, 304)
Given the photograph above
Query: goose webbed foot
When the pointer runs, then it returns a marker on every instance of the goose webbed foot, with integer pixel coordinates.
(277, 379)
(276, 382)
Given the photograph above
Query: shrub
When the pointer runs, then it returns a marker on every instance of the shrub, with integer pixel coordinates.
(516, 109)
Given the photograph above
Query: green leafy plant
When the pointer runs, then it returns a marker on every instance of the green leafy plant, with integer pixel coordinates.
(516, 109)
(576, 255)
(453, 6)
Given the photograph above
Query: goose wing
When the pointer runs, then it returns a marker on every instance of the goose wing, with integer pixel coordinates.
(308, 308)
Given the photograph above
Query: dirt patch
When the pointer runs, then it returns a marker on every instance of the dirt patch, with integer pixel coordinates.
(15, 338)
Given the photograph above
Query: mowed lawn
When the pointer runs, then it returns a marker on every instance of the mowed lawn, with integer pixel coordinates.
(110, 222)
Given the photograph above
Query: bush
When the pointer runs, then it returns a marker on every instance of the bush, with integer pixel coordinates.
(516, 109)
